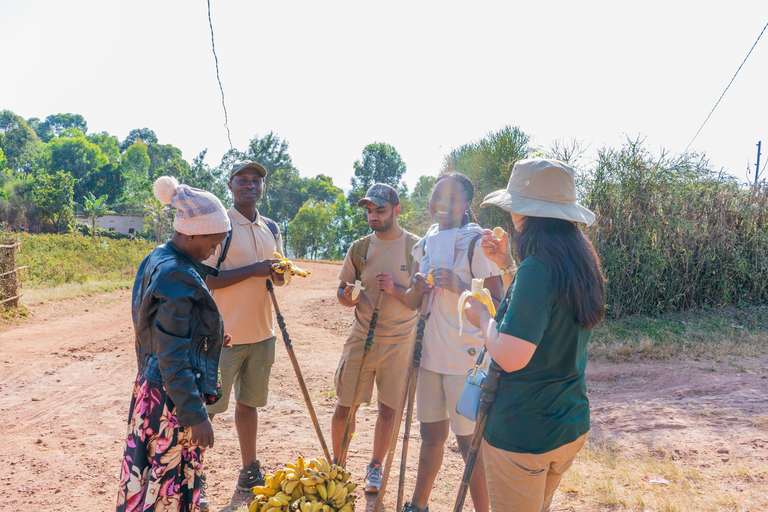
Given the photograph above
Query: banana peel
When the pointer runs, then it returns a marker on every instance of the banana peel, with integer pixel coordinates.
(477, 292)
(358, 286)
(287, 268)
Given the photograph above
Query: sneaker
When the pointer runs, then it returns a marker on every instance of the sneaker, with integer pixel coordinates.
(408, 507)
(250, 476)
(205, 501)
(373, 477)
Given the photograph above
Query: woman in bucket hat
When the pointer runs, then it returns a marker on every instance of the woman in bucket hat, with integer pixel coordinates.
(179, 335)
(539, 337)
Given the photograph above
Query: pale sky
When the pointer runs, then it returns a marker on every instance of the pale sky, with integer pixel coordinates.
(425, 77)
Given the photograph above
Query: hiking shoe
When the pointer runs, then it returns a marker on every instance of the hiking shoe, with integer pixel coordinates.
(205, 501)
(373, 477)
(408, 507)
(250, 477)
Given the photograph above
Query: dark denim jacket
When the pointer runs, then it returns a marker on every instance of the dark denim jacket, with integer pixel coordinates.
(179, 330)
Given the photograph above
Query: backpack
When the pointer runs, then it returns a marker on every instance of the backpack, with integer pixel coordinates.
(272, 225)
(360, 252)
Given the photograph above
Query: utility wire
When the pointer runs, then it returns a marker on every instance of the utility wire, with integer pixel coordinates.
(726, 89)
(215, 58)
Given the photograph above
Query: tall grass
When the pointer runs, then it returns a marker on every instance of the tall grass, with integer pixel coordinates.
(55, 260)
(672, 234)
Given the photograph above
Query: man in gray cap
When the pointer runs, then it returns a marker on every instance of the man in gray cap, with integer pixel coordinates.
(380, 261)
(245, 260)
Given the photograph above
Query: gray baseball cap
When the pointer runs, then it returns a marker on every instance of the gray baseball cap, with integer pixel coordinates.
(241, 166)
(380, 194)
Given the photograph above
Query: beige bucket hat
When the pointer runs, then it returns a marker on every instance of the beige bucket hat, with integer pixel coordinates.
(540, 187)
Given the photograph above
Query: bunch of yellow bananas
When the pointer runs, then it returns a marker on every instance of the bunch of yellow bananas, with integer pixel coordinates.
(479, 293)
(316, 486)
(287, 268)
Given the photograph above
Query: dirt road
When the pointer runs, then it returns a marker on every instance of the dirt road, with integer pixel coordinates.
(66, 376)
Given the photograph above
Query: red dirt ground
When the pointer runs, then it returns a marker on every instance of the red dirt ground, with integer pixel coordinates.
(66, 375)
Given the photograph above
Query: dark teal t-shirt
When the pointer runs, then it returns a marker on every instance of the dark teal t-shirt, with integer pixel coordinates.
(544, 405)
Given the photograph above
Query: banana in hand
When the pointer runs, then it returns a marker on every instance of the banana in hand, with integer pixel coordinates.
(358, 286)
(479, 293)
(287, 268)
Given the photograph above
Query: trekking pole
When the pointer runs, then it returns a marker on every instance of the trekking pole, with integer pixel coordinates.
(408, 394)
(346, 438)
(490, 386)
(295, 363)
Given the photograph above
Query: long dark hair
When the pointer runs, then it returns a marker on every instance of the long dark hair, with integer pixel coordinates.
(574, 264)
(469, 191)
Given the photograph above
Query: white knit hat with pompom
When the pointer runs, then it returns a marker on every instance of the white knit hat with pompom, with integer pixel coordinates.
(198, 212)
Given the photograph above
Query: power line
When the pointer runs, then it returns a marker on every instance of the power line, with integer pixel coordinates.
(726, 89)
(215, 58)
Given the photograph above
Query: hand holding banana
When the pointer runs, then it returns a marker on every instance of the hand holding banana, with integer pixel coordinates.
(479, 293)
(287, 268)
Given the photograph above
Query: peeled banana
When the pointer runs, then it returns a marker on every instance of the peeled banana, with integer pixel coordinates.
(479, 293)
(306, 486)
(358, 286)
(287, 268)
(498, 232)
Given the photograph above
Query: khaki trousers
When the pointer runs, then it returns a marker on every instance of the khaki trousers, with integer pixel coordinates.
(526, 482)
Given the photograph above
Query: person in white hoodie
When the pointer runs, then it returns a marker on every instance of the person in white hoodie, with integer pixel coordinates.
(451, 251)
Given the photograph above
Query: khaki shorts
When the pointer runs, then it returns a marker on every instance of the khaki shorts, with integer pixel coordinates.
(436, 397)
(387, 364)
(247, 366)
(526, 482)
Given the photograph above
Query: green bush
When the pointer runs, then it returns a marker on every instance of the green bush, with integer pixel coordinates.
(673, 235)
(53, 260)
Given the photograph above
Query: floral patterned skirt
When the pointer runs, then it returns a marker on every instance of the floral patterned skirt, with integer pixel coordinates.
(161, 468)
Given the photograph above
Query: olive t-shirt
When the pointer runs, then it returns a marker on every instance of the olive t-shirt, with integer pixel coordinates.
(544, 405)
(396, 321)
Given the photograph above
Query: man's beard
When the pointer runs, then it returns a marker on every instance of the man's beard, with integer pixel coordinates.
(384, 225)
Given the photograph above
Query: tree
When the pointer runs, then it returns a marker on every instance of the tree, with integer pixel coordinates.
(57, 123)
(282, 196)
(488, 163)
(309, 229)
(84, 162)
(53, 196)
(108, 144)
(134, 168)
(95, 207)
(18, 141)
(144, 135)
(270, 151)
(213, 180)
(415, 216)
(342, 232)
(158, 219)
(381, 164)
(166, 160)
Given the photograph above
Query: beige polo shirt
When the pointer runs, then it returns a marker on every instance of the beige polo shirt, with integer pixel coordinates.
(396, 320)
(246, 307)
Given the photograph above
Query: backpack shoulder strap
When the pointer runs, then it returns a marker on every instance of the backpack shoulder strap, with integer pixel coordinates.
(272, 225)
(224, 249)
(359, 254)
(410, 241)
(471, 252)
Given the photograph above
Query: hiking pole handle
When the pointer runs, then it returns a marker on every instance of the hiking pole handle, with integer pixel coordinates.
(487, 398)
(297, 370)
(346, 438)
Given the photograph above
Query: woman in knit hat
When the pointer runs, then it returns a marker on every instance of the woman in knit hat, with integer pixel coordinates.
(540, 418)
(179, 335)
